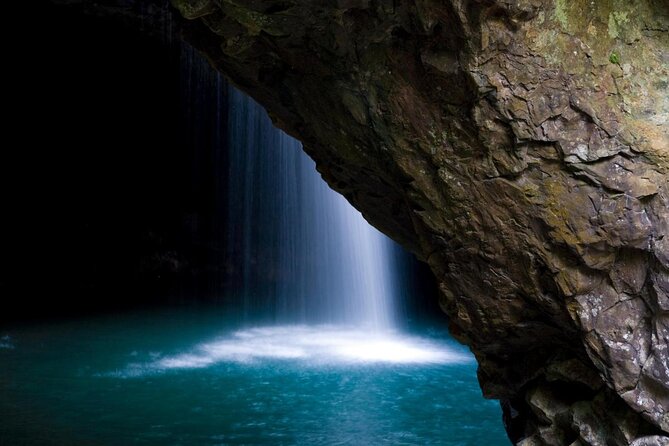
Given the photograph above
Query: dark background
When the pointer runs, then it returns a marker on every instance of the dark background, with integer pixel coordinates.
(111, 189)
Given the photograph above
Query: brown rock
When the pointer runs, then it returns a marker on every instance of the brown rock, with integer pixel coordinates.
(522, 150)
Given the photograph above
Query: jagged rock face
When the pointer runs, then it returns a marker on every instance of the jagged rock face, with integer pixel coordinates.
(522, 150)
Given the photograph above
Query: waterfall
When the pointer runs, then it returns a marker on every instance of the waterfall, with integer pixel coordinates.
(299, 250)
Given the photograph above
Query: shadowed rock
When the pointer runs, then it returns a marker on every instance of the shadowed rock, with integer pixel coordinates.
(522, 150)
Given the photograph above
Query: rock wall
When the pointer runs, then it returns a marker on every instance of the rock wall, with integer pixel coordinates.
(521, 148)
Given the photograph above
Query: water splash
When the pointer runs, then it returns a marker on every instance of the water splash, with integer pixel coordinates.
(306, 345)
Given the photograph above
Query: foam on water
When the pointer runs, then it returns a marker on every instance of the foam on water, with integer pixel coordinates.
(309, 345)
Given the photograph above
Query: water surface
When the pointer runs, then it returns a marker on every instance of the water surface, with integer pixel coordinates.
(196, 377)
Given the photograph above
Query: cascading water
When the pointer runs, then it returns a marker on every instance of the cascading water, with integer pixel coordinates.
(301, 251)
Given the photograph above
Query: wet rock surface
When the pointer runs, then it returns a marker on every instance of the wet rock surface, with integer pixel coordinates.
(522, 150)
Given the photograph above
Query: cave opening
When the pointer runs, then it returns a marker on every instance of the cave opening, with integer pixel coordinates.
(151, 299)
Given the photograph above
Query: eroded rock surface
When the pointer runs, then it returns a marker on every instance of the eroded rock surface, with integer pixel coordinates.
(521, 148)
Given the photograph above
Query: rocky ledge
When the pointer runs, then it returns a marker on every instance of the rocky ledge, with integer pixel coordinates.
(520, 148)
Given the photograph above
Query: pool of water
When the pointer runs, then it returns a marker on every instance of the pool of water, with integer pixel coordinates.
(195, 377)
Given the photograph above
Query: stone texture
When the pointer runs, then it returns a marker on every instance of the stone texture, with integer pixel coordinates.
(522, 150)
(654, 440)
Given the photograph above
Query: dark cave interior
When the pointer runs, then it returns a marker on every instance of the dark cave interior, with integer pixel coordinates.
(111, 194)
